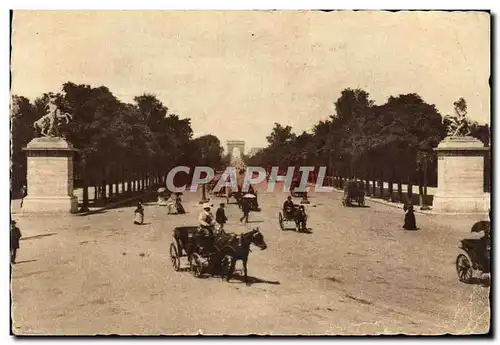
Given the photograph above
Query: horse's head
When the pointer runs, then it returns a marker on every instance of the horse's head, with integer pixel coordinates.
(258, 239)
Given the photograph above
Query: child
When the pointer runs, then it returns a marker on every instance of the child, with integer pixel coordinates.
(139, 214)
(220, 216)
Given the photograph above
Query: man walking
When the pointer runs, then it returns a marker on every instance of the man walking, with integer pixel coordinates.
(23, 194)
(245, 207)
(220, 216)
(15, 236)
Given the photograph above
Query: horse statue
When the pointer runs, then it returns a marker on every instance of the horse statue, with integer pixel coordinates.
(458, 125)
(48, 125)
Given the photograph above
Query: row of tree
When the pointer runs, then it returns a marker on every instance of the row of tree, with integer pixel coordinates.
(392, 142)
(117, 141)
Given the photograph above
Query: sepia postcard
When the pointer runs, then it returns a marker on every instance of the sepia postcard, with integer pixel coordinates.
(250, 172)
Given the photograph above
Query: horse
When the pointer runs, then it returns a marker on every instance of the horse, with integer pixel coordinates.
(300, 218)
(50, 122)
(237, 247)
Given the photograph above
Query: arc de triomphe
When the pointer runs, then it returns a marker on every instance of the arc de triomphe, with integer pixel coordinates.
(231, 144)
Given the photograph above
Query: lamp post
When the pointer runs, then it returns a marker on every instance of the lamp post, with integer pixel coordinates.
(203, 194)
(304, 195)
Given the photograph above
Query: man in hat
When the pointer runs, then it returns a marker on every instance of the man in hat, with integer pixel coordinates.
(206, 219)
(15, 236)
(23, 194)
(288, 207)
(220, 216)
(206, 224)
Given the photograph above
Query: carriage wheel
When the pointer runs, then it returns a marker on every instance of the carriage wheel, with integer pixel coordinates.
(280, 218)
(197, 265)
(464, 268)
(174, 257)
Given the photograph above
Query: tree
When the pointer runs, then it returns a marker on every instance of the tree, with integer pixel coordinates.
(23, 115)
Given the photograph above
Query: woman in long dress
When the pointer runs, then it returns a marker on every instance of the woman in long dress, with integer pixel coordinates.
(410, 222)
(178, 204)
(139, 214)
(172, 205)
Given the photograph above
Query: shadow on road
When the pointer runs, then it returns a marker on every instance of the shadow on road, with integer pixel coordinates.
(90, 213)
(307, 232)
(483, 281)
(38, 236)
(416, 229)
(254, 280)
(25, 261)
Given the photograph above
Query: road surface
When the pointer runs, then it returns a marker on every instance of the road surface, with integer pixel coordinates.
(358, 272)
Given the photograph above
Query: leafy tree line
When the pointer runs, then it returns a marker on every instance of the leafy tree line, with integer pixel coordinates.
(133, 144)
(392, 142)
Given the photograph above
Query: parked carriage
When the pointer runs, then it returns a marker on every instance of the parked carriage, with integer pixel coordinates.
(353, 192)
(474, 253)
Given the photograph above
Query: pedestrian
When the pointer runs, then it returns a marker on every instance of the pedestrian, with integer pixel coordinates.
(245, 207)
(15, 236)
(139, 214)
(410, 222)
(220, 216)
(23, 194)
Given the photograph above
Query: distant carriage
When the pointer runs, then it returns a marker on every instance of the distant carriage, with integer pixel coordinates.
(353, 192)
(294, 216)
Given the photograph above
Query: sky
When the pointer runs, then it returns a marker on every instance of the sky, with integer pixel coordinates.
(236, 73)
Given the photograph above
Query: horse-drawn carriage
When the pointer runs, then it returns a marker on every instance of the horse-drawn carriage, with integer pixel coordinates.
(296, 215)
(198, 250)
(474, 253)
(219, 252)
(353, 192)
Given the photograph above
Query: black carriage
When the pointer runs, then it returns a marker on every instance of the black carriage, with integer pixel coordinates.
(474, 254)
(197, 248)
(292, 216)
(353, 192)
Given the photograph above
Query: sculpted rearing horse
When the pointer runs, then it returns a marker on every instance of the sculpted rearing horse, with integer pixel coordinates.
(48, 125)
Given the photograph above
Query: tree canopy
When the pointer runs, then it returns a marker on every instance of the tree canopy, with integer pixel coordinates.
(115, 140)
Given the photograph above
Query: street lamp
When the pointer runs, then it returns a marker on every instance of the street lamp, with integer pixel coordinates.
(203, 194)
(304, 195)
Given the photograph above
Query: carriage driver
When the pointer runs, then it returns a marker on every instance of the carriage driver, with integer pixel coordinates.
(206, 220)
(288, 207)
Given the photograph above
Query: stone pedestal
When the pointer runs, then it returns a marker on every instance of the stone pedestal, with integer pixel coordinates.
(461, 176)
(50, 176)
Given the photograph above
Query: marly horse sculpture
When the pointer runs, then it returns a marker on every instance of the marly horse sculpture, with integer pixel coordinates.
(238, 248)
(48, 125)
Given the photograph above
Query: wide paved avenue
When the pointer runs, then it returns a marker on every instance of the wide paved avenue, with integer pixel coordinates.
(358, 272)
